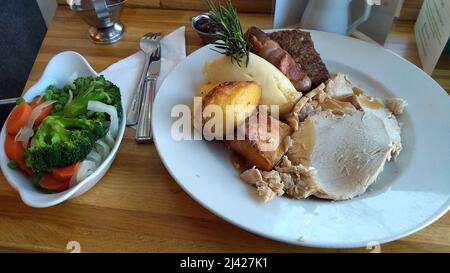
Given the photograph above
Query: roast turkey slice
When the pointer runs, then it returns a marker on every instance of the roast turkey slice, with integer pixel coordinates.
(376, 107)
(347, 151)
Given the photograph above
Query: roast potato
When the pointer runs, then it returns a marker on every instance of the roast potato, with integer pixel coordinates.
(205, 88)
(235, 100)
(277, 89)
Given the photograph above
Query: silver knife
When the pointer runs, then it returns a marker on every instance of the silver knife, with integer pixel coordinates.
(144, 132)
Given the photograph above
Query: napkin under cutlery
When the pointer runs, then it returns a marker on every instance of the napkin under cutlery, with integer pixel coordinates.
(126, 72)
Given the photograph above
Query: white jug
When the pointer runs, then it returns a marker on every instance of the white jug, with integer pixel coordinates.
(332, 16)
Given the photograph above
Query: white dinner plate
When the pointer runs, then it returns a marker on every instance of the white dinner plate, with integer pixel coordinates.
(410, 194)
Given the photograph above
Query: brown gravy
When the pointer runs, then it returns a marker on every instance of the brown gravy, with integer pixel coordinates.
(357, 91)
(366, 100)
(307, 135)
(369, 102)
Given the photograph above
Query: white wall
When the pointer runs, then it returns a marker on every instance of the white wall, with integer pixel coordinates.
(48, 8)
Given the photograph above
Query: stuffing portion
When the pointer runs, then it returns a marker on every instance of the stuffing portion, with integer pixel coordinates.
(287, 178)
(396, 105)
(296, 179)
(268, 184)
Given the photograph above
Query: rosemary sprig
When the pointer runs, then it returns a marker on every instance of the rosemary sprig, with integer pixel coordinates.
(231, 39)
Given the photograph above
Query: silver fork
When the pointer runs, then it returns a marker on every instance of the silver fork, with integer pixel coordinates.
(144, 132)
(148, 43)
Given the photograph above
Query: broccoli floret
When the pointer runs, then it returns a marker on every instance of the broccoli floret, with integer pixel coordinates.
(95, 89)
(61, 96)
(50, 93)
(67, 87)
(81, 83)
(61, 142)
(100, 117)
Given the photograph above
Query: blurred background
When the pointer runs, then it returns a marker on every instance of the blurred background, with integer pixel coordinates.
(24, 23)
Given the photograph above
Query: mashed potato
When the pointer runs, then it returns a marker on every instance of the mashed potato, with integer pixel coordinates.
(276, 88)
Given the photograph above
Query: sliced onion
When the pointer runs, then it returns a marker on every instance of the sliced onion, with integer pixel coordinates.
(89, 114)
(102, 148)
(24, 135)
(37, 111)
(109, 140)
(94, 156)
(70, 96)
(86, 168)
(33, 139)
(73, 77)
(73, 180)
(98, 106)
(26, 132)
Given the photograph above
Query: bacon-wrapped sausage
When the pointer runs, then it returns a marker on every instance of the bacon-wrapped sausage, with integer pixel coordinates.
(273, 53)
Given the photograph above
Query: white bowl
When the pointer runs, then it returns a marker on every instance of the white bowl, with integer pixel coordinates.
(57, 72)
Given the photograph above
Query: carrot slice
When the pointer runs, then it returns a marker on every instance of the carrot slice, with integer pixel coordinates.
(50, 183)
(15, 151)
(18, 118)
(20, 159)
(11, 146)
(44, 112)
(65, 173)
(36, 101)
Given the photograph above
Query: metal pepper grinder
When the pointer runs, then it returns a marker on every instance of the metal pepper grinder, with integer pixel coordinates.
(103, 17)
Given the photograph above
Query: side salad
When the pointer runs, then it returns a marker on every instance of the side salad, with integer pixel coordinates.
(62, 136)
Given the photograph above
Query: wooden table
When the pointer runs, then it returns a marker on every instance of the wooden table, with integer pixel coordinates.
(137, 206)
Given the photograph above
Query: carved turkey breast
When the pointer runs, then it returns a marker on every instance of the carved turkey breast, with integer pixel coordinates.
(347, 151)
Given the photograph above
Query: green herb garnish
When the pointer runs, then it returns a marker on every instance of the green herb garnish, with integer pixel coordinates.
(12, 164)
(37, 180)
(231, 39)
(19, 101)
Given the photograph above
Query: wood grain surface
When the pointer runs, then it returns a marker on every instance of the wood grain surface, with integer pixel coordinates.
(410, 9)
(137, 206)
(261, 6)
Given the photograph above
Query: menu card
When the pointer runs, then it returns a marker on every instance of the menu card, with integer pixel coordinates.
(432, 31)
